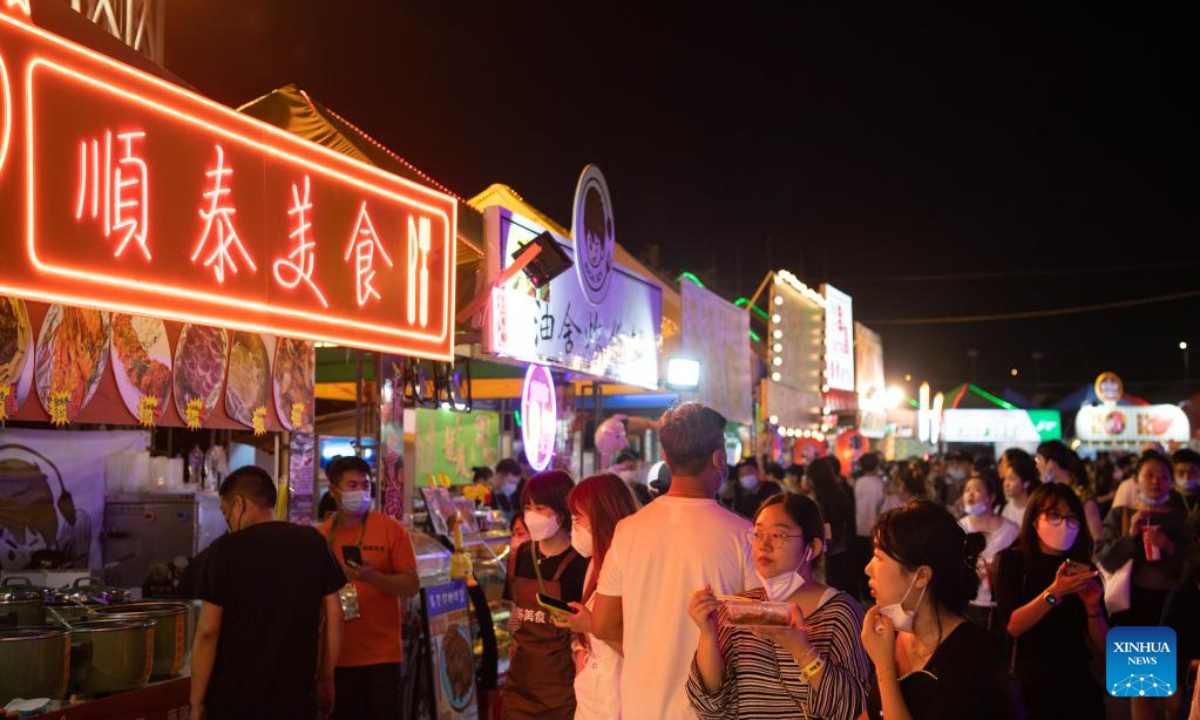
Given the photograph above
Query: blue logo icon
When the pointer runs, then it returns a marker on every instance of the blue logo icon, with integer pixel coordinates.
(1140, 662)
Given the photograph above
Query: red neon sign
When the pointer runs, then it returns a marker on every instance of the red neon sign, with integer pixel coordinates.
(123, 192)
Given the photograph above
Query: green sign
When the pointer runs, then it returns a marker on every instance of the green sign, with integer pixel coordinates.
(453, 443)
(1048, 424)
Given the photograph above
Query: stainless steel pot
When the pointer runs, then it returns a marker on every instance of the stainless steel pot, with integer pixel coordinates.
(170, 630)
(111, 656)
(80, 601)
(34, 663)
(21, 605)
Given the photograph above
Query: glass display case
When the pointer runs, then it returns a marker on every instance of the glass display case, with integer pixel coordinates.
(433, 559)
(489, 553)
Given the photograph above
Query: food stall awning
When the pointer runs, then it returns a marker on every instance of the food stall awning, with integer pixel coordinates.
(295, 111)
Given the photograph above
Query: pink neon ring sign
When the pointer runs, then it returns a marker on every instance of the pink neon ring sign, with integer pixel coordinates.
(539, 417)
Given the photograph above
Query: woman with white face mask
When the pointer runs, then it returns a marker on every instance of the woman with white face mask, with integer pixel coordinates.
(541, 673)
(930, 660)
(979, 502)
(1049, 598)
(1152, 534)
(597, 504)
(814, 668)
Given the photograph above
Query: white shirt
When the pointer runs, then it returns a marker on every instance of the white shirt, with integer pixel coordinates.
(597, 686)
(658, 558)
(999, 540)
(1127, 493)
(1014, 514)
(868, 503)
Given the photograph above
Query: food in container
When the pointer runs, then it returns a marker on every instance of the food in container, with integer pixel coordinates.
(141, 356)
(201, 359)
(72, 352)
(749, 613)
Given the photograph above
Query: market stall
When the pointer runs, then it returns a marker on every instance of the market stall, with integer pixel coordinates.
(170, 264)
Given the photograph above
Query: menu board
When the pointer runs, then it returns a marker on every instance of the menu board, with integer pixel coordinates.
(451, 651)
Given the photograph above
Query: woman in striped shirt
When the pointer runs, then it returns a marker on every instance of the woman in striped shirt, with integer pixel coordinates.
(816, 668)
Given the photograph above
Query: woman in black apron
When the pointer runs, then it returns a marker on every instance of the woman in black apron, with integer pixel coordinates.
(541, 675)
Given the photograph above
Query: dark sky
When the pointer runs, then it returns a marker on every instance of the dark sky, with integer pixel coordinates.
(851, 144)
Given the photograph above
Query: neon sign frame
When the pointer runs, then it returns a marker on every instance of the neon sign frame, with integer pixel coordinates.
(545, 435)
(61, 282)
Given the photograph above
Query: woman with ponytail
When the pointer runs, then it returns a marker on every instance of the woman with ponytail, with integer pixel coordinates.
(1049, 598)
(931, 662)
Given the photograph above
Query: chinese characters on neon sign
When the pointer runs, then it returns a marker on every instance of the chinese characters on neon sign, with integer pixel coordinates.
(138, 196)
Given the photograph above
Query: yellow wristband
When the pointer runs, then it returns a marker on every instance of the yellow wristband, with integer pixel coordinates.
(812, 669)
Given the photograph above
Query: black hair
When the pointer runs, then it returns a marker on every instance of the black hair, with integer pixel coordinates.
(625, 456)
(748, 462)
(957, 457)
(1060, 454)
(912, 483)
(326, 507)
(1186, 455)
(1014, 454)
(508, 466)
(550, 488)
(252, 483)
(481, 474)
(1150, 457)
(1047, 497)
(343, 464)
(803, 511)
(924, 533)
(775, 470)
(518, 517)
(1025, 468)
(869, 462)
(794, 470)
(991, 481)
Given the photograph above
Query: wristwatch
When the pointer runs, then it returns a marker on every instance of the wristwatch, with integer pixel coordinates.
(1051, 600)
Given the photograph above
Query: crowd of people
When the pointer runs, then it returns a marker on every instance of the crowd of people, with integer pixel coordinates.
(981, 579)
(950, 587)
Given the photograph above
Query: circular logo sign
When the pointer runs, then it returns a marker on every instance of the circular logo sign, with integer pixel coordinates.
(1109, 388)
(539, 417)
(595, 239)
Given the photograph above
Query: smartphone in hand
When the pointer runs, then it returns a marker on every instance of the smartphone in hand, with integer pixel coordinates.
(352, 554)
(554, 605)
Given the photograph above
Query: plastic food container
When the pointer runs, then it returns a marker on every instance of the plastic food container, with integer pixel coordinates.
(751, 613)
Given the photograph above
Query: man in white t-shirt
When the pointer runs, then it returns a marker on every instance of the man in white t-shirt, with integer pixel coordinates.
(868, 505)
(677, 545)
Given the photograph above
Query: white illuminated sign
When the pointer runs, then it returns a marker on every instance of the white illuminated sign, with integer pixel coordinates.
(839, 339)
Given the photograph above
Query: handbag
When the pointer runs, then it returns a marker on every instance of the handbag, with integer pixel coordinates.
(1118, 584)
(1117, 587)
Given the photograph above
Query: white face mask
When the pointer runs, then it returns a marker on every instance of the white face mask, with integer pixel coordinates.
(1153, 502)
(902, 619)
(748, 482)
(581, 540)
(1061, 538)
(1187, 484)
(782, 587)
(355, 502)
(956, 474)
(979, 508)
(509, 487)
(540, 526)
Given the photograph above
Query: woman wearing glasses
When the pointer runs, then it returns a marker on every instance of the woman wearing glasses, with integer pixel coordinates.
(815, 668)
(1049, 597)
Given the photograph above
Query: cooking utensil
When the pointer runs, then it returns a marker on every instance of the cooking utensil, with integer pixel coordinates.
(21, 604)
(34, 663)
(111, 656)
(171, 620)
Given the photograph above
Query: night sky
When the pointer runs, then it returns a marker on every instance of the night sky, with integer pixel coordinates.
(1049, 147)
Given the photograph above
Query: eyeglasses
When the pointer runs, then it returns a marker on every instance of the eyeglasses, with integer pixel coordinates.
(775, 538)
(1056, 518)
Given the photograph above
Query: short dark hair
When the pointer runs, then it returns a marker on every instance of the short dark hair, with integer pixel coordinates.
(1149, 457)
(924, 533)
(1186, 455)
(508, 466)
(869, 462)
(1046, 497)
(551, 489)
(252, 483)
(343, 464)
(1059, 453)
(1025, 468)
(690, 433)
(748, 462)
(627, 456)
(803, 511)
(481, 474)
(775, 470)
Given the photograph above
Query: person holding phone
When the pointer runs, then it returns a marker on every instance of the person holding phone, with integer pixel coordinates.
(597, 504)
(1049, 598)
(541, 674)
(377, 556)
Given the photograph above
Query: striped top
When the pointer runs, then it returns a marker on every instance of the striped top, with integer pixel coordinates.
(754, 685)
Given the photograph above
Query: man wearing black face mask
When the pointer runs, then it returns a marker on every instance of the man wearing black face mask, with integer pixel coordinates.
(265, 587)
